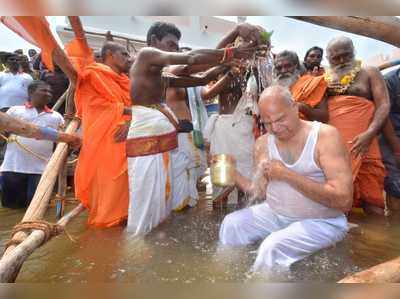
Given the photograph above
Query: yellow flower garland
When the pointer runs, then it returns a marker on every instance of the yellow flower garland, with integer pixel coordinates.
(345, 81)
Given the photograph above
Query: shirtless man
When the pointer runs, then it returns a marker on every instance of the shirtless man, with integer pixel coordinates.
(153, 130)
(187, 158)
(234, 124)
(358, 107)
(304, 175)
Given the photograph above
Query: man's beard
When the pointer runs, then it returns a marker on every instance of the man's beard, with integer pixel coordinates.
(287, 79)
(340, 70)
(311, 66)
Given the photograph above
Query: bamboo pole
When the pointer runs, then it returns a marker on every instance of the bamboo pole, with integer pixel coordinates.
(11, 264)
(62, 190)
(387, 272)
(385, 29)
(62, 176)
(40, 200)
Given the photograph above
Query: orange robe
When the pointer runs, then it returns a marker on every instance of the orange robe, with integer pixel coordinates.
(101, 178)
(352, 115)
(309, 90)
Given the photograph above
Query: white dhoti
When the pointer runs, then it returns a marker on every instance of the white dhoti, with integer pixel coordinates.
(187, 164)
(285, 239)
(228, 135)
(150, 176)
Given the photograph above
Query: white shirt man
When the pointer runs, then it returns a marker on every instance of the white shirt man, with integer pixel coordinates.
(26, 159)
(13, 89)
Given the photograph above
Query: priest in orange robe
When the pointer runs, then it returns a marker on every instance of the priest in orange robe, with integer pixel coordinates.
(307, 89)
(101, 178)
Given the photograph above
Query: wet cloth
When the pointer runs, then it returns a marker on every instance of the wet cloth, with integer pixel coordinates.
(187, 162)
(150, 171)
(285, 239)
(309, 90)
(101, 177)
(199, 118)
(232, 135)
(292, 225)
(352, 115)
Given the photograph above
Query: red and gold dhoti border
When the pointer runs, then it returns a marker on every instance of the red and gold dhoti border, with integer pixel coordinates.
(150, 145)
(151, 139)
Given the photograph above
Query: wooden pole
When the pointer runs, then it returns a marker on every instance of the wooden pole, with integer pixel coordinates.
(385, 29)
(11, 263)
(40, 200)
(388, 272)
(62, 190)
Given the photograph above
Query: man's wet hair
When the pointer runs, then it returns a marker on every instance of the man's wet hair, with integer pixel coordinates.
(315, 48)
(290, 55)
(162, 29)
(34, 85)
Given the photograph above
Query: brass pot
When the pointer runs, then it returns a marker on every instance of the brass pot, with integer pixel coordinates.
(223, 170)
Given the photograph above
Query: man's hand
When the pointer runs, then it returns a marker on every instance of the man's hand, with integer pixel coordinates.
(121, 132)
(361, 143)
(73, 140)
(249, 33)
(274, 170)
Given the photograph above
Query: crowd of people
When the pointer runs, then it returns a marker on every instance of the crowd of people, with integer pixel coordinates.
(310, 142)
(27, 92)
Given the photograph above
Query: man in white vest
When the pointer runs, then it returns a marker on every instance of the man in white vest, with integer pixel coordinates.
(304, 175)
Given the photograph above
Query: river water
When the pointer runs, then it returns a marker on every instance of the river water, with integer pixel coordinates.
(185, 249)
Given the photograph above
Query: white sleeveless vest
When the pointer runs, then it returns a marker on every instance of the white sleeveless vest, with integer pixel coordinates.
(287, 201)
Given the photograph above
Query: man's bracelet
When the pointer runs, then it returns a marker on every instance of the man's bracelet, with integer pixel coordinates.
(48, 133)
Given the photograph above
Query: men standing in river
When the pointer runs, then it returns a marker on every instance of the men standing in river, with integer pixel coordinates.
(153, 131)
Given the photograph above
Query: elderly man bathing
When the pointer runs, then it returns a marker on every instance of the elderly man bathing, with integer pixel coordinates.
(306, 183)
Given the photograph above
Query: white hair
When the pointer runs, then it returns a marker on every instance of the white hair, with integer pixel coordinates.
(275, 92)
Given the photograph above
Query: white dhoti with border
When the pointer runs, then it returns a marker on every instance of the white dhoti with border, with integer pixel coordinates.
(150, 176)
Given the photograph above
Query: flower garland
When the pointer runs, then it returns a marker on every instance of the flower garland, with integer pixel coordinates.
(345, 81)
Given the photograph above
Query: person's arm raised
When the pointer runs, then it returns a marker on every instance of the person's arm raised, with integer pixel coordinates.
(196, 79)
(160, 58)
(245, 30)
(221, 85)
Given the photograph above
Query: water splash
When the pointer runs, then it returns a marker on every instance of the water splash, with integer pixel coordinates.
(256, 186)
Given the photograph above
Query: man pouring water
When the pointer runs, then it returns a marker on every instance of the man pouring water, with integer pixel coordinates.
(304, 174)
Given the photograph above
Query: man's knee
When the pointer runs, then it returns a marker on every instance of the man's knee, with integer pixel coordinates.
(273, 255)
(232, 228)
